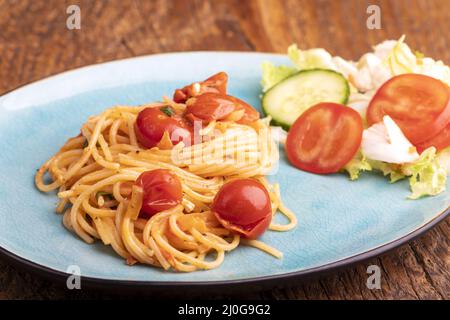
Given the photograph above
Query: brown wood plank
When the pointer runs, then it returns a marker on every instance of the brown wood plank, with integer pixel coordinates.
(34, 43)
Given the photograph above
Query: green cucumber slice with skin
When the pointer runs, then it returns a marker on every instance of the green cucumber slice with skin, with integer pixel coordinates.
(287, 100)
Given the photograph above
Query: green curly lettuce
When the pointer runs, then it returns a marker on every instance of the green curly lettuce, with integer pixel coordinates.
(357, 165)
(310, 59)
(272, 74)
(444, 158)
(301, 59)
(360, 164)
(427, 175)
(404, 60)
(393, 171)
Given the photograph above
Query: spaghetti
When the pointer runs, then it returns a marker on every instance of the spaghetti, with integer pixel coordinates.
(95, 173)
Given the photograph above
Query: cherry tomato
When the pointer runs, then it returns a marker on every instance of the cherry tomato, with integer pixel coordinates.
(243, 206)
(417, 103)
(210, 106)
(217, 106)
(162, 191)
(324, 138)
(440, 141)
(151, 124)
(250, 113)
(216, 83)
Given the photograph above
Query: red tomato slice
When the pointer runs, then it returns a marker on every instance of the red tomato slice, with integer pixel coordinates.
(324, 138)
(440, 141)
(243, 206)
(419, 104)
(162, 191)
(151, 123)
(216, 83)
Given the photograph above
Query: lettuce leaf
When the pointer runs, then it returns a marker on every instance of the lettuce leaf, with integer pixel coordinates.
(444, 158)
(428, 176)
(310, 59)
(271, 74)
(302, 59)
(357, 165)
(388, 169)
(360, 163)
(402, 59)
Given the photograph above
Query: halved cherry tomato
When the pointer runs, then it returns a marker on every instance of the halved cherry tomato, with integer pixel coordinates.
(324, 138)
(243, 206)
(162, 191)
(217, 106)
(419, 104)
(440, 141)
(216, 83)
(151, 123)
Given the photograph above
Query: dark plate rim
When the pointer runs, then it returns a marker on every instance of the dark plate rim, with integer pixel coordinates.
(262, 282)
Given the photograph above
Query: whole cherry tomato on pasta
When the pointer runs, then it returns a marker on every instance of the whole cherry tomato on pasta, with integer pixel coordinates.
(151, 123)
(243, 206)
(162, 191)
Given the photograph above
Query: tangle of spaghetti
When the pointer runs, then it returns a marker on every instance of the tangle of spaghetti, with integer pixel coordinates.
(94, 175)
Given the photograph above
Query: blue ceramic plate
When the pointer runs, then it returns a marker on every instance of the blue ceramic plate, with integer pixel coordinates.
(340, 222)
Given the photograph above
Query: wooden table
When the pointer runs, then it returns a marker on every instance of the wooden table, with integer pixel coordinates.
(35, 43)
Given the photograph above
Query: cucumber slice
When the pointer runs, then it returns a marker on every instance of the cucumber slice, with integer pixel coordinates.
(287, 100)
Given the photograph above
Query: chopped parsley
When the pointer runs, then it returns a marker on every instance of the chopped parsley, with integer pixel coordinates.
(167, 110)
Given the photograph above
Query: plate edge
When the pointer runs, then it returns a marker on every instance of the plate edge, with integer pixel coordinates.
(265, 281)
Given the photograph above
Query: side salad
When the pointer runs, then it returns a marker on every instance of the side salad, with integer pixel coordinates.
(387, 112)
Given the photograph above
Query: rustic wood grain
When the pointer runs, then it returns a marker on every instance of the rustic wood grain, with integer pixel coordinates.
(35, 43)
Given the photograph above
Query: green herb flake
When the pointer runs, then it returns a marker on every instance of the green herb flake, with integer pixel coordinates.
(167, 110)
